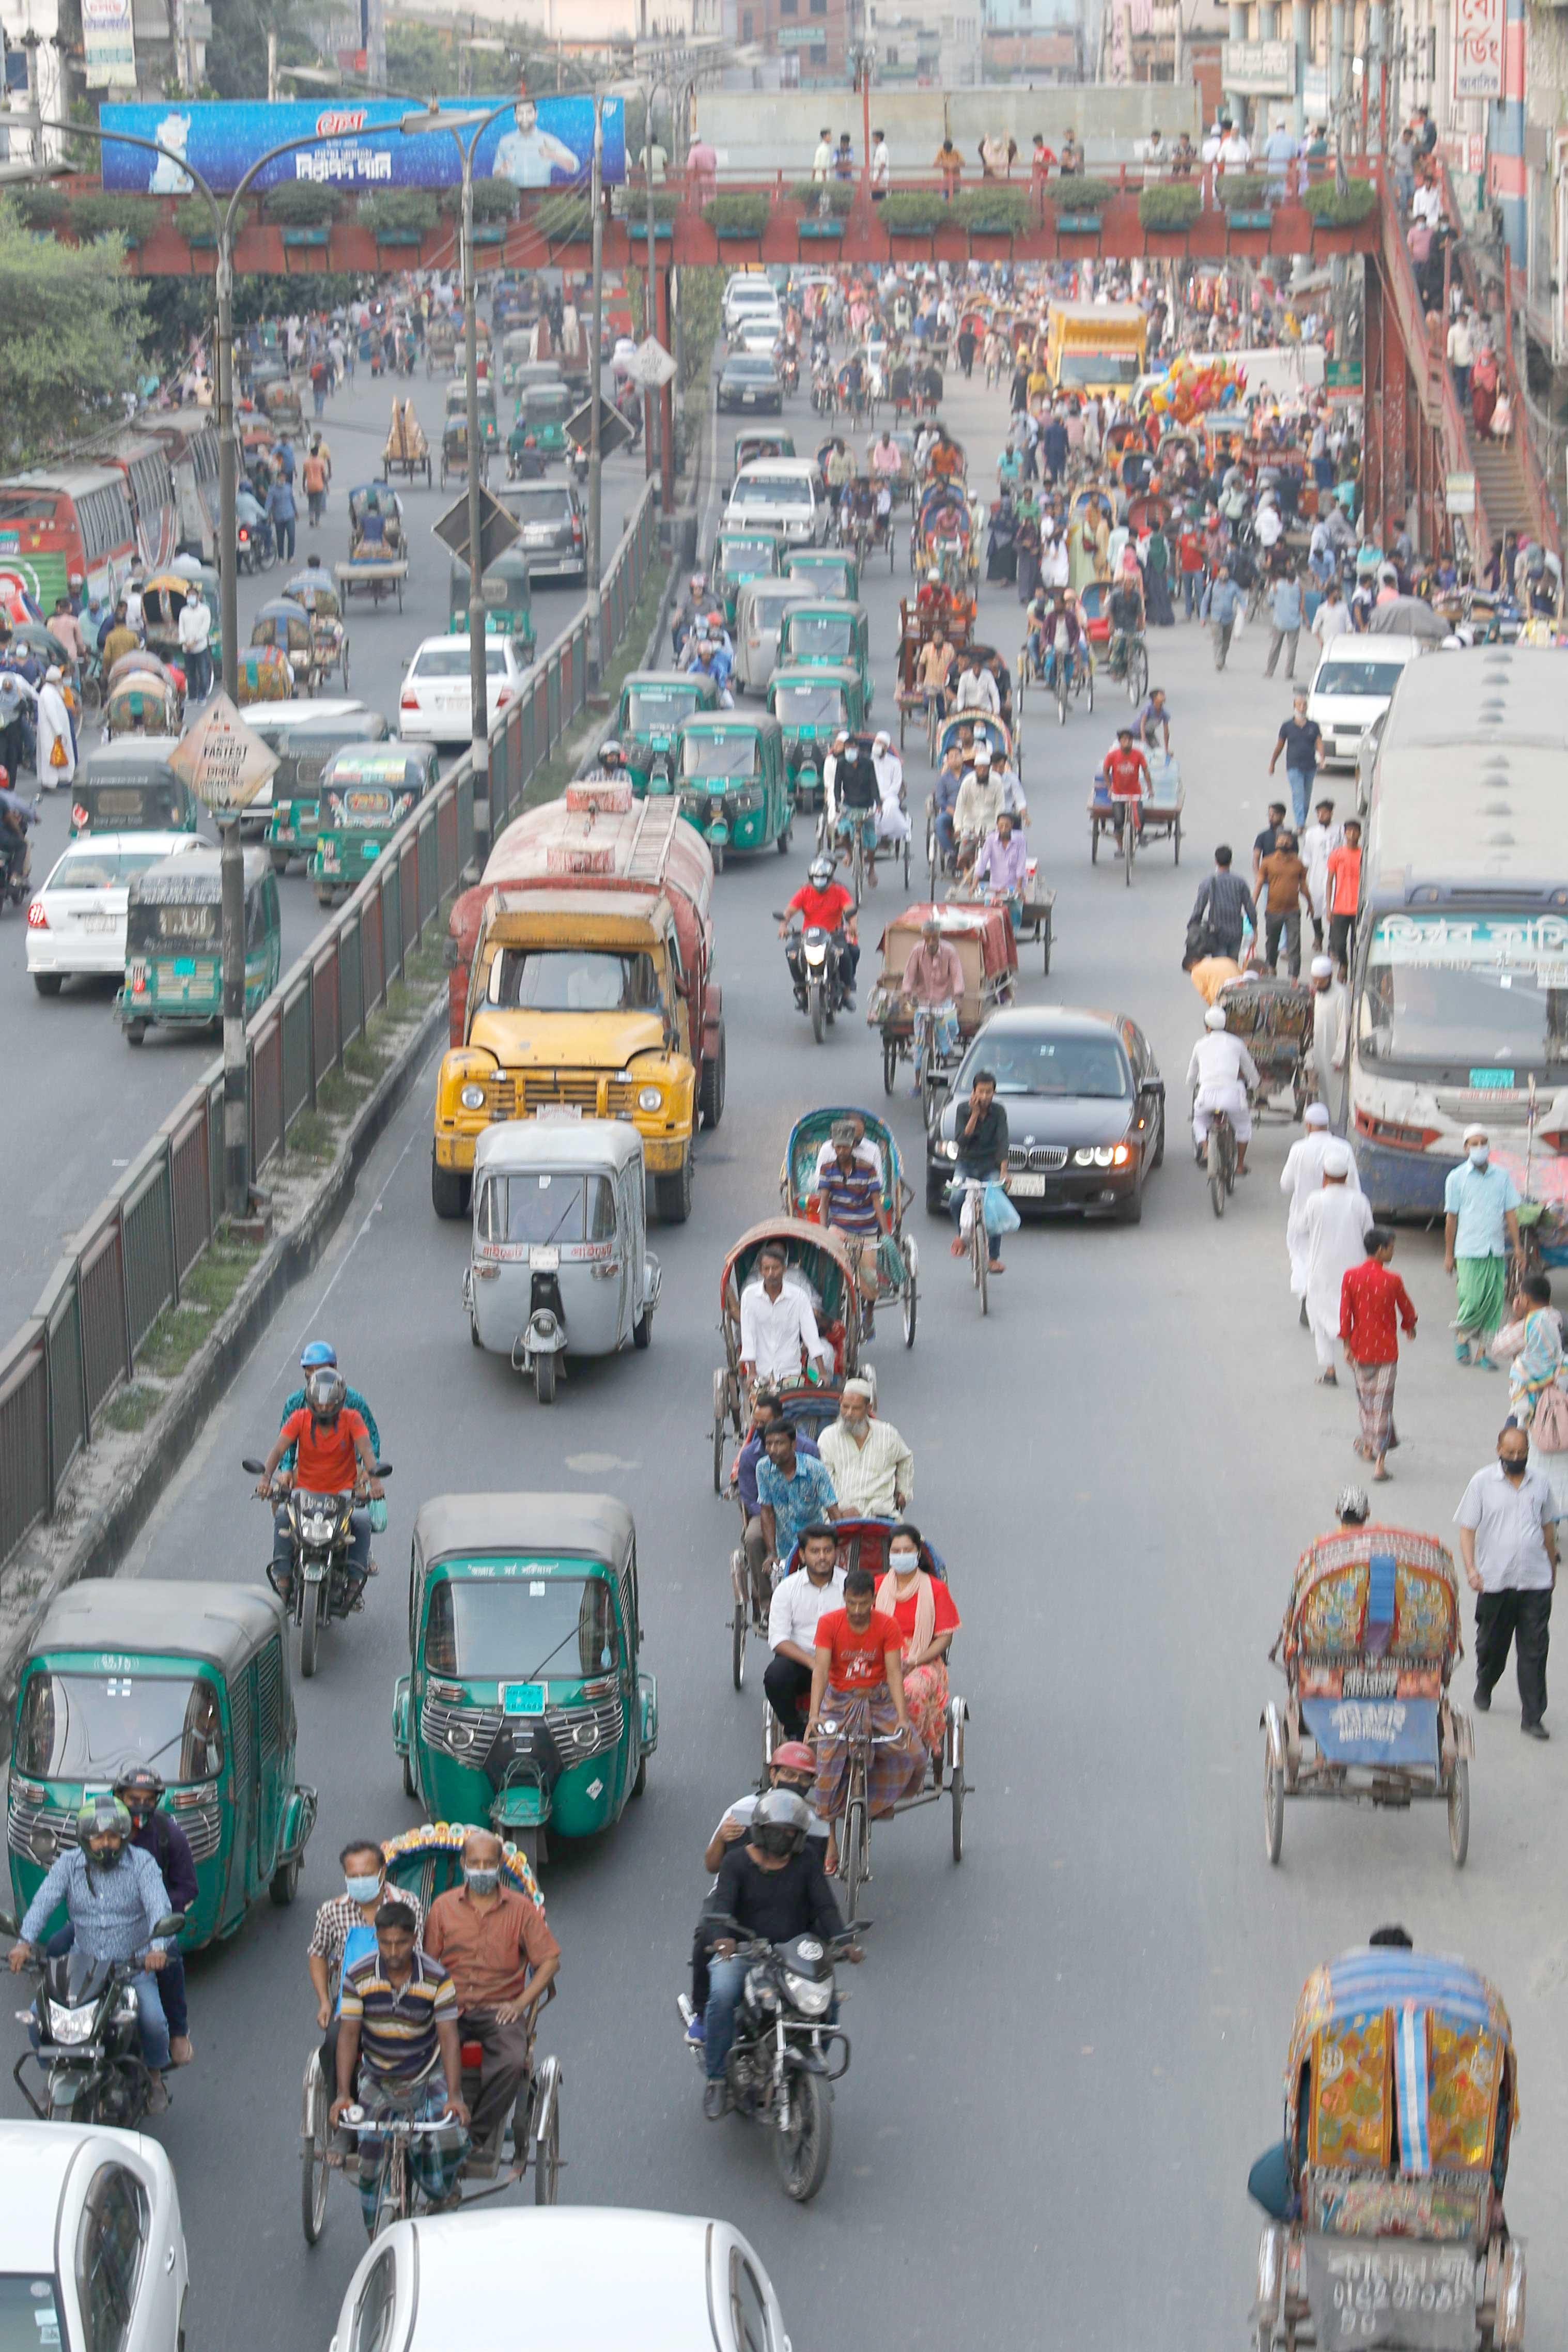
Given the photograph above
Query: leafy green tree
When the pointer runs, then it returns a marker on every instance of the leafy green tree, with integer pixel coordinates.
(71, 324)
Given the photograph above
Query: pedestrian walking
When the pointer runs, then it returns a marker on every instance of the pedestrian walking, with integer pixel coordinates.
(1462, 354)
(1480, 1234)
(1300, 1181)
(1285, 631)
(1334, 1226)
(1538, 1382)
(1284, 876)
(1221, 607)
(1221, 909)
(1317, 840)
(57, 750)
(1345, 895)
(1508, 1540)
(313, 474)
(281, 507)
(1331, 1027)
(1375, 1306)
(1300, 739)
(196, 644)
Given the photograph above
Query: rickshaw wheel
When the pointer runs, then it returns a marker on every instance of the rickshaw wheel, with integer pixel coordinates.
(853, 1854)
(958, 1794)
(313, 2169)
(719, 1465)
(345, 670)
(889, 1065)
(547, 2162)
(1273, 1804)
(911, 1310)
(738, 1646)
(1459, 1812)
(1175, 837)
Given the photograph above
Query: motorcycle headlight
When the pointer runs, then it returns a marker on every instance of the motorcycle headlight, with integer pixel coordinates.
(69, 2025)
(650, 1098)
(759, 1991)
(811, 1997)
(472, 1097)
(317, 1530)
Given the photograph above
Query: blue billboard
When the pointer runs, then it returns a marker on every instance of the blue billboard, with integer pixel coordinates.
(545, 142)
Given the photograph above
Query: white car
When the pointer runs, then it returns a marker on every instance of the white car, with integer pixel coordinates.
(576, 2278)
(1353, 685)
(759, 333)
(89, 2226)
(76, 922)
(783, 494)
(747, 293)
(435, 705)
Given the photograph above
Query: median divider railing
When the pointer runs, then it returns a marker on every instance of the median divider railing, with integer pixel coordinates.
(129, 1262)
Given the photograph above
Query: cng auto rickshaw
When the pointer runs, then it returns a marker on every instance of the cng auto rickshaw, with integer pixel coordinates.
(811, 704)
(508, 600)
(191, 1679)
(454, 452)
(831, 631)
(744, 552)
(174, 942)
(559, 1264)
(542, 412)
(527, 1706)
(366, 791)
(653, 704)
(305, 735)
(489, 422)
(733, 782)
(129, 788)
(817, 1261)
(825, 571)
(1401, 2099)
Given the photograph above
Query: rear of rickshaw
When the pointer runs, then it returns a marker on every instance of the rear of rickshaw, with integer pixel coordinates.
(986, 950)
(1273, 1018)
(897, 1256)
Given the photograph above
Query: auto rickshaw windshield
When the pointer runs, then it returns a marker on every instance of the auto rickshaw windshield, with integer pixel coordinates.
(518, 1627)
(808, 706)
(136, 808)
(546, 1206)
(571, 980)
(829, 636)
(82, 1726)
(650, 707)
(709, 756)
(154, 928)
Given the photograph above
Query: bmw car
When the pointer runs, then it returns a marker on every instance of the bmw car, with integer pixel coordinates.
(1086, 1111)
(750, 380)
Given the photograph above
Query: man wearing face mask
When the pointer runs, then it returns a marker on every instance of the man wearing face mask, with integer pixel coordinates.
(345, 1932)
(1508, 1539)
(793, 1767)
(1480, 1234)
(503, 1960)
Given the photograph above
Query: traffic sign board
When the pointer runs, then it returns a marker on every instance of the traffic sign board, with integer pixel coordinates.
(224, 761)
(651, 366)
(615, 433)
(497, 529)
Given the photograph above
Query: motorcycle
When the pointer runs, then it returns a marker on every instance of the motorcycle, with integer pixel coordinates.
(816, 968)
(321, 1585)
(789, 368)
(579, 462)
(777, 2070)
(88, 2038)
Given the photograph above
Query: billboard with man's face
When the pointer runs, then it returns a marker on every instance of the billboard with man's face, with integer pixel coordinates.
(545, 142)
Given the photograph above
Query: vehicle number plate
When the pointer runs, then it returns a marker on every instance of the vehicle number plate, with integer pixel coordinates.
(522, 1698)
(1368, 1682)
(1491, 1078)
(544, 1258)
(184, 967)
(1027, 1188)
(96, 923)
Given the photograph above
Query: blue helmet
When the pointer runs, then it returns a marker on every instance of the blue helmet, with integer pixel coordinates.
(316, 1354)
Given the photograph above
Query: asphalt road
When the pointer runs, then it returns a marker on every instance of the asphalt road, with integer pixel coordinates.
(85, 1102)
(1067, 2050)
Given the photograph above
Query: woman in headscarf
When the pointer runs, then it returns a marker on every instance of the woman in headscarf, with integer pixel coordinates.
(1156, 580)
(922, 1607)
(1534, 1341)
(1483, 387)
(1027, 547)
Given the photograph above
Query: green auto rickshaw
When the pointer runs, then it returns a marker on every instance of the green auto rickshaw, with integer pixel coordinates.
(367, 790)
(516, 350)
(191, 1679)
(734, 782)
(125, 788)
(457, 407)
(653, 704)
(830, 571)
(508, 600)
(744, 551)
(174, 943)
(829, 630)
(525, 1706)
(542, 412)
(304, 734)
(811, 703)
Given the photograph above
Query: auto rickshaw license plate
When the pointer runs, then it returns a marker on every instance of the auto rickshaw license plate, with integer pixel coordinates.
(184, 966)
(1368, 1682)
(522, 1698)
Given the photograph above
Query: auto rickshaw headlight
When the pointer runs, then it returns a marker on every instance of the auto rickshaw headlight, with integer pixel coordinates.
(472, 1097)
(650, 1098)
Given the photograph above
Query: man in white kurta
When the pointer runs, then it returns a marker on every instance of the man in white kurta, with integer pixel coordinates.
(1330, 1005)
(1335, 1225)
(1300, 1180)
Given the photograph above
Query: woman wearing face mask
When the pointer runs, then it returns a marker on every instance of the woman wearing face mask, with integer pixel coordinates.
(345, 1931)
(921, 1608)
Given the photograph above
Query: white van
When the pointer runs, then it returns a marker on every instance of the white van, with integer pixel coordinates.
(1353, 685)
(782, 494)
(747, 296)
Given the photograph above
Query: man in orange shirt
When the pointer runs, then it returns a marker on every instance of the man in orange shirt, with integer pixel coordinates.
(502, 1959)
(1344, 895)
(332, 1439)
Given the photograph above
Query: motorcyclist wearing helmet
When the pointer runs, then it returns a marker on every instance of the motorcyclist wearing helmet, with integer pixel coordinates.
(825, 905)
(611, 765)
(691, 611)
(140, 1790)
(792, 1765)
(331, 1438)
(16, 816)
(115, 1897)
(771, 1885)
(706, 657)
(314, 1356)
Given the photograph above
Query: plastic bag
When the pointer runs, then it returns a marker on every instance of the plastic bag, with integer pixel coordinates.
(377, 1515)
(1001, 1217)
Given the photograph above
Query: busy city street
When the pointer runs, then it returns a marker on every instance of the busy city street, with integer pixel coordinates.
(1068, 2047)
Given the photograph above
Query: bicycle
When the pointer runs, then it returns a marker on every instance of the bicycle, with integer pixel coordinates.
(931, 1064)
(854, 1836)
(980, 1243)
(1219, 1159)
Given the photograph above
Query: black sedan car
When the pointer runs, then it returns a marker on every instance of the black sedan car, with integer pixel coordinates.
(1085, 1107)
(749, 380)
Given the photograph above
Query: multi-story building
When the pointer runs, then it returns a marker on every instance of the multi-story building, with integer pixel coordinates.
(787, 44)
(1031, 41)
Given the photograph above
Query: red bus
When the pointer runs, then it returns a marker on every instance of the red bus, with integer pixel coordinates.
(78, 520)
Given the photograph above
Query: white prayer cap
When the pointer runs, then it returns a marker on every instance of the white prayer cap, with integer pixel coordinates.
(1215, 1017)
(1323, 966)
(1317, 1115)
(1338, 1159)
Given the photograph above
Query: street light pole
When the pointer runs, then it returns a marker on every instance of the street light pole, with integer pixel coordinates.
(595, 375)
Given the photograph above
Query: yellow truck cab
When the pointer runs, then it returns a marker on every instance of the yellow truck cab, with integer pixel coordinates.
(1095, 347)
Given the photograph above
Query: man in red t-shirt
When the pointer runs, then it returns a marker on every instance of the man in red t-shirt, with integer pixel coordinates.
(1372, 1304)
(857, 1675)
(332, 1441)
(1344, 895)
(1126, 777)
(823, 905)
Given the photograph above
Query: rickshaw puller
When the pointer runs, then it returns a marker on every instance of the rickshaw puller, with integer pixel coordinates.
(399, 2016)
(1222, 1071)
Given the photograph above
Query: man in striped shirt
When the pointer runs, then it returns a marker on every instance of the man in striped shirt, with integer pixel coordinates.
(398, 2034)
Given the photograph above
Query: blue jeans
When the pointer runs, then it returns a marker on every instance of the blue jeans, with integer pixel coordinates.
(725, 1982)
(945, 831)
(1300, 785)
(1191, 583)
(986, 1175)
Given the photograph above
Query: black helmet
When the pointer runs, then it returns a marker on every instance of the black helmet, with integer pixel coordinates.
(139, 1790)
(325, 1392)
(780, 1824)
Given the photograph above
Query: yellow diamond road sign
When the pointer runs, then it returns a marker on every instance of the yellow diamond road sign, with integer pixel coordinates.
(224, 761)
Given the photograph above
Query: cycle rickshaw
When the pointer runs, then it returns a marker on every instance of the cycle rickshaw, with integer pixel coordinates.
(1273, 1018)
(897, 1263)
(987, 951)
(810, 1409)
(427, 1861)
(820, 1263)
(328, 639)
(1368, 1648)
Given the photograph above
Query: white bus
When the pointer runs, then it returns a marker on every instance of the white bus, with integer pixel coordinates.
(1459, 983)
